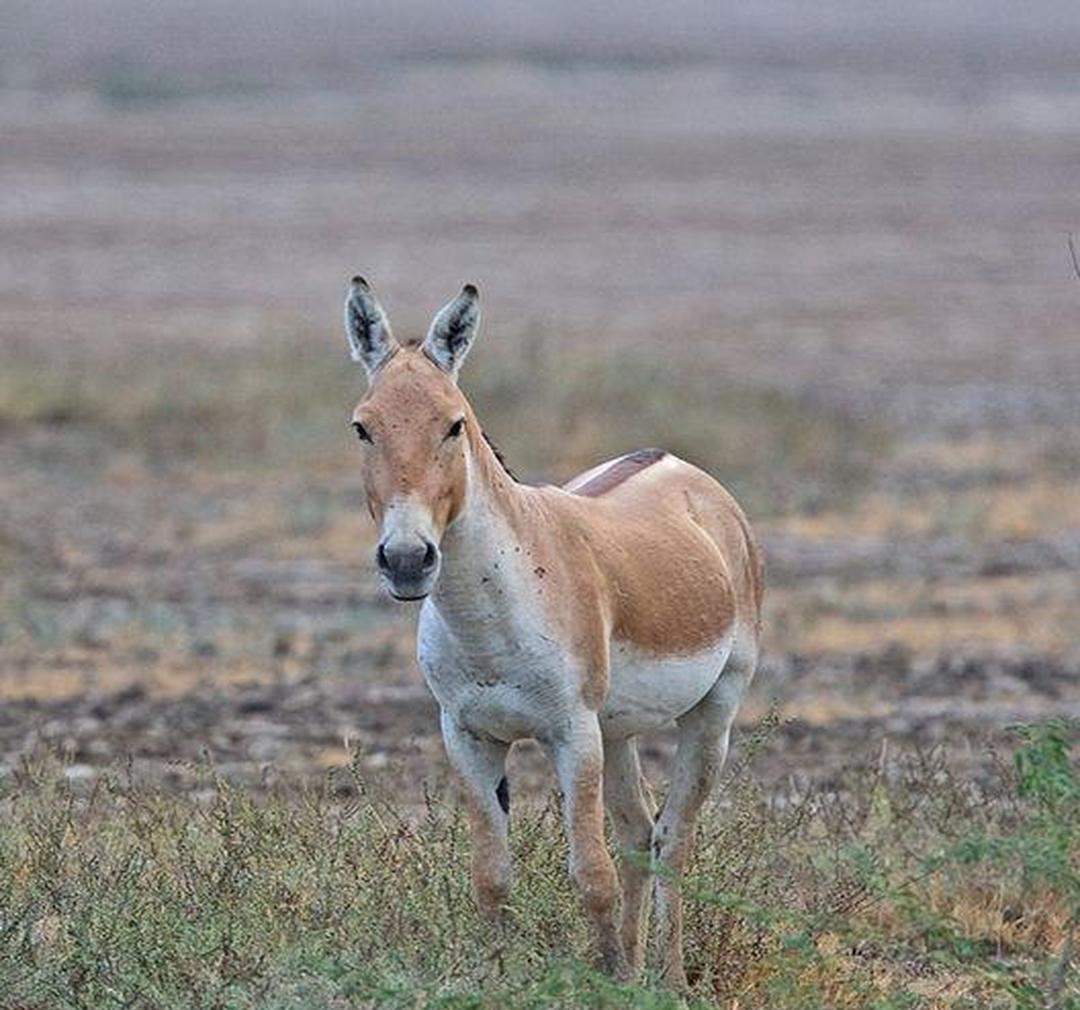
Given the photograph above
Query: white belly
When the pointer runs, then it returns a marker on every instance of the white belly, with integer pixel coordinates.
(508, 686)
(647, 693)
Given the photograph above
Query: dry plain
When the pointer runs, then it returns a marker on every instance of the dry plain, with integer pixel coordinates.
(847, 294)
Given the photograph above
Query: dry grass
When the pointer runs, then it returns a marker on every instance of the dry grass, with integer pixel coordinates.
(927, 616)
(905, 888)
(833, 289)
(1026, 507)
(553, 409)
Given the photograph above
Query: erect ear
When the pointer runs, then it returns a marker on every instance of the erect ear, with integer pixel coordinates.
(453, 330)
(366, 327)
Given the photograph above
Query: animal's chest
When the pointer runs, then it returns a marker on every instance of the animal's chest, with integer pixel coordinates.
(501, 682)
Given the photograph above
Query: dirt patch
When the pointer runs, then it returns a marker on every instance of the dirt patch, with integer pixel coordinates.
(865, 311)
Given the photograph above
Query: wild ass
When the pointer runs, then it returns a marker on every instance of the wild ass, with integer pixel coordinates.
(579, 616)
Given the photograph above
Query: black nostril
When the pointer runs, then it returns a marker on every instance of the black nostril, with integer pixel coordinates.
(380, 558)
(429, 556)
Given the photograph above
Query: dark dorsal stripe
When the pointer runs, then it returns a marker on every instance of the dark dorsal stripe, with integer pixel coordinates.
(619, 471)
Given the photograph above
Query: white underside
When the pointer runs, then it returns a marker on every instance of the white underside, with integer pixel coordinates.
(525, 686)
(648, 692)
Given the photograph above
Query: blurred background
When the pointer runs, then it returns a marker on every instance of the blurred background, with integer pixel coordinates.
(819, 249)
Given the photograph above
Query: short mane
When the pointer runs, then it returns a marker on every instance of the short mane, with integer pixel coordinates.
(500, 457)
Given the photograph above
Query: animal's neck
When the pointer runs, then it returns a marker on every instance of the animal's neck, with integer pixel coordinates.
(480, 549)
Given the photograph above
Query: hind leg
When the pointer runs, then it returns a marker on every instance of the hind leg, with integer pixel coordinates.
(632, 820)
(702, 748)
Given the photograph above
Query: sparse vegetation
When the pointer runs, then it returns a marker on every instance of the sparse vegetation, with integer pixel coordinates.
(834, 279)
(223, 407)
(904, 887)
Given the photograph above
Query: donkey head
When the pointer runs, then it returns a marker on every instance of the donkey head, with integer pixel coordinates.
(414, 427)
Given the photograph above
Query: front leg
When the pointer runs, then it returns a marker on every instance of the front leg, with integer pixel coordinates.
(579, 761)
(481, 764)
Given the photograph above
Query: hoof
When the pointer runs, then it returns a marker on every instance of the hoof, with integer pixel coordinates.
(674, 978)
(491, 903)
(614, 963)
(498, 917)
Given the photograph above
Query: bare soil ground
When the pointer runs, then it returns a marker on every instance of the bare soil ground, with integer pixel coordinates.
(845, 291)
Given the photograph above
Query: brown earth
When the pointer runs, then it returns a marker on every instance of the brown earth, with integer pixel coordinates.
(845, 291)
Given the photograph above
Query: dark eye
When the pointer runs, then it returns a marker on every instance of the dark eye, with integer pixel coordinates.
(456, 428)
(361, 432)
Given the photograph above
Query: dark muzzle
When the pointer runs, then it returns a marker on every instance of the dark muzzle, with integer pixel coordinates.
(408, 566)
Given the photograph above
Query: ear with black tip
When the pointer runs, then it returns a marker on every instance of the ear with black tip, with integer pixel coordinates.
(453, 330)
(367, 329)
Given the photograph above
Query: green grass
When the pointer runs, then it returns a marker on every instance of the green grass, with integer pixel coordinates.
(907, 889)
